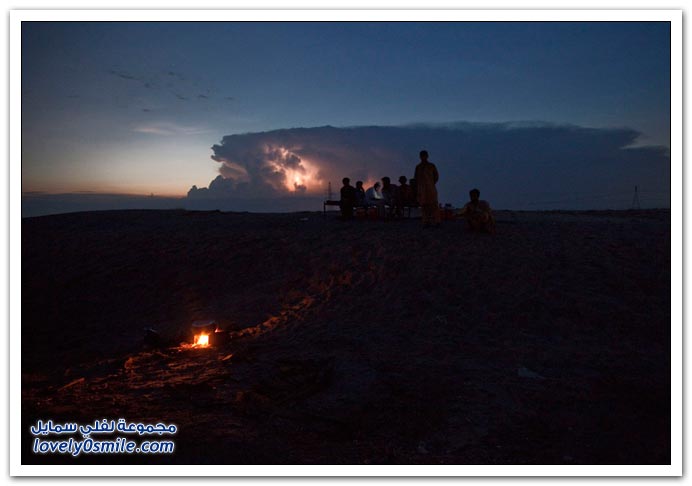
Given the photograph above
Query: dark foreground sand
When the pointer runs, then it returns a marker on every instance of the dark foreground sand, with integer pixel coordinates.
(358, 342)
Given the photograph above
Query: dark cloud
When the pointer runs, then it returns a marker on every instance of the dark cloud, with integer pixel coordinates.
(516, 165)
(172, 83)
(124, 75)
(176, 75)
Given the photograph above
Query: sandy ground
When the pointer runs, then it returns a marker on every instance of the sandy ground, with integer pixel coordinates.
(354, 342)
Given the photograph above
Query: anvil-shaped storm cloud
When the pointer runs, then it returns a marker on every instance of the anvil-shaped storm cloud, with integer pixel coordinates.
(516, 165)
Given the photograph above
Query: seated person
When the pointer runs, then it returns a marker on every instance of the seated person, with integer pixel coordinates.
(413, 196)
(348, 199)
(478, 214)
(373, 197)
(403, 194)
(389, 192)
(360, 194)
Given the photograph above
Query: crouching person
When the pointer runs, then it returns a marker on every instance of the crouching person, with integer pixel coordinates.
(478, 214)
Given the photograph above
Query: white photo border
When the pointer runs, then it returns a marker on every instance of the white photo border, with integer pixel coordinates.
(341, 15)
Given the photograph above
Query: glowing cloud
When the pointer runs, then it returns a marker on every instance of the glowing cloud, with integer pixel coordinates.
(516, 165)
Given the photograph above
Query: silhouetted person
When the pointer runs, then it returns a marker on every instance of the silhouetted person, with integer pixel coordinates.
(426, 178)
(373, 197)
(413, 194)
(403, 195)
(478, 214)
(389, 193)
(360, 194)
(348, 199)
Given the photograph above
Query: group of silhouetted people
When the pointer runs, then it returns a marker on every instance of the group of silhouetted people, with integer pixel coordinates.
(383, 197)
(389, 200)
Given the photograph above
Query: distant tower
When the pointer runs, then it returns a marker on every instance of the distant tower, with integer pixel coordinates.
(635, 199)
(330, 194)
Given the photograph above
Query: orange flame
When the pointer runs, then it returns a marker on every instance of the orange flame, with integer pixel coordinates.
(201, 340)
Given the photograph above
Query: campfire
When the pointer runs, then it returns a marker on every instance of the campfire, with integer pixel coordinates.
(203, 333)
(201, 341)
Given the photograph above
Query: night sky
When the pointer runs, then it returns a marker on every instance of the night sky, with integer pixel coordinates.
(135, 108)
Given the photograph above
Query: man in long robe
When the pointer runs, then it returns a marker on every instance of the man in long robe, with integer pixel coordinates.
(426, 178)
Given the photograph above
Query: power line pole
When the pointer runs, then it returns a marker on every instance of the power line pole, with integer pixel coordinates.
(635, 199)
(330, 194)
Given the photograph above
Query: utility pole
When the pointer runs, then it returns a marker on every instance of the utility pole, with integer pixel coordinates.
(635, 199)
(330, 194)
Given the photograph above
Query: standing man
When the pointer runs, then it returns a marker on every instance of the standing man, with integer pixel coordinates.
(426, 178)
